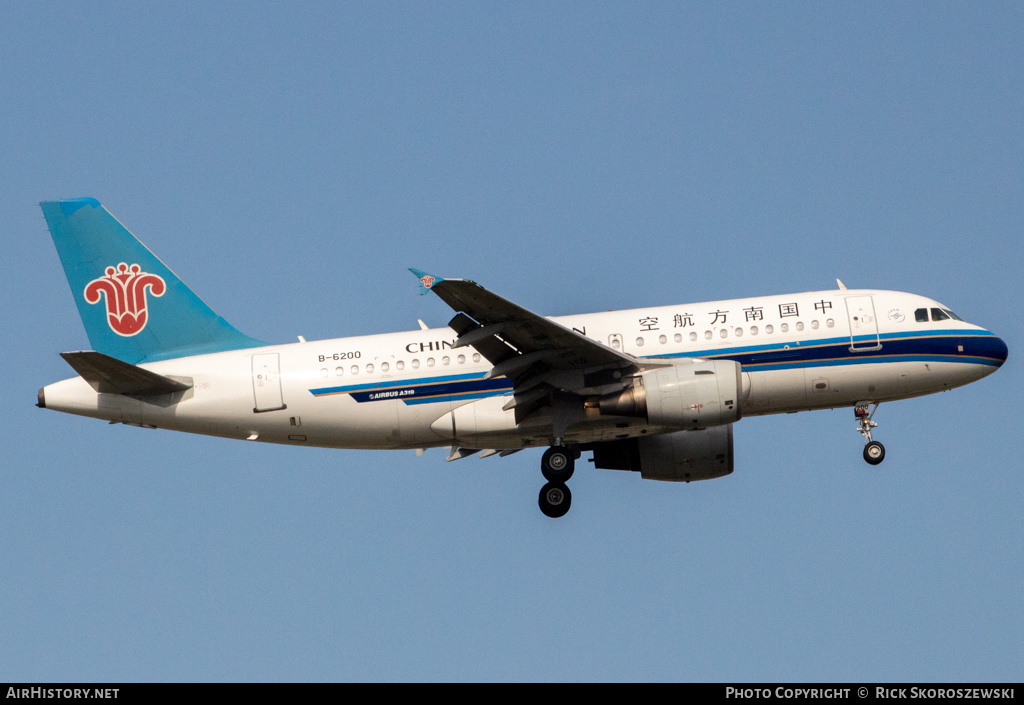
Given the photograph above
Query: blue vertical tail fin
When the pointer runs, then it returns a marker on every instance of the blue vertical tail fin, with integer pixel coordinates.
(133, 307)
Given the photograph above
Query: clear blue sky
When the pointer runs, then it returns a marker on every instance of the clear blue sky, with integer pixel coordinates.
(291, 160)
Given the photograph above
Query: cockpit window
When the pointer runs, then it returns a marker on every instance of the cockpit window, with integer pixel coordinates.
(921, 315)
(939, 315)
(952, 315)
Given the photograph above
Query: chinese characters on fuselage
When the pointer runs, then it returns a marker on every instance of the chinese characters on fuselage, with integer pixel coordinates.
(720, 317)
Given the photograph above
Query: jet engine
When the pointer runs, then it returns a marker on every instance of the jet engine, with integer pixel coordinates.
(689, 396)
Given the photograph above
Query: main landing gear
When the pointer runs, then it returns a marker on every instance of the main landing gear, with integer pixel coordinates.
(874, 452)
(557, 466)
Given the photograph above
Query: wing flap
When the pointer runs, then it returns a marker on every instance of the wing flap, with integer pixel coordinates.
(490, 346)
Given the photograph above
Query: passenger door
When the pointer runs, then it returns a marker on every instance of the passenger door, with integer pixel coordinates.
(860, 311)
(266, 382)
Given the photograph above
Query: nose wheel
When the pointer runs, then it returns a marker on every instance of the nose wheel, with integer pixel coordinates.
(874, 452)
(557, 466)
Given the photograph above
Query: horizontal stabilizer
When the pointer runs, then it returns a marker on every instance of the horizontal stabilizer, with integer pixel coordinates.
(108, 375)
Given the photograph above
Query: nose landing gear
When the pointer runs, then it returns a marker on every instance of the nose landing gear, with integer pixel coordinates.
(874, 452)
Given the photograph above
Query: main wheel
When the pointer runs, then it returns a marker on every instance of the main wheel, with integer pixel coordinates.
(555, 499)
(557, 464)
(874, 453)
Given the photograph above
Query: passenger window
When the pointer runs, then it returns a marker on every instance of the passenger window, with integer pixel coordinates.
(799, 325)
(430, 362)
(639, 342)
(461, 359)
(415, 363)
(693, 336)
(400, 365)
(708, 334)
(369, 368)
(769, 329)
(384, 367)
(814, 325)
(753, 330)
(739, 332)
(938, 315)
(678, 337)
(724, 333)
(921, 315)
(476, 357)
(446, 360)
(784, 327)
(662, 339)
(355, 369)
(339, 371)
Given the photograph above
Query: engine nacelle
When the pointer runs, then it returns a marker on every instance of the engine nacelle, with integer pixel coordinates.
(683, 456)
(698, 395)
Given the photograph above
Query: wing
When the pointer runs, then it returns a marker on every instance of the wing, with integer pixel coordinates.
(540, 356)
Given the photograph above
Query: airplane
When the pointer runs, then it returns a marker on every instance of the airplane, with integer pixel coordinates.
(654, 390)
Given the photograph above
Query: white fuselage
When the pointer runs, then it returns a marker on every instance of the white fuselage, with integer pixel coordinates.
(814, 350)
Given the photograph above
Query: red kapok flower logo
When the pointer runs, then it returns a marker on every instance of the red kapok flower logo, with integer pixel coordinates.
(125, 290)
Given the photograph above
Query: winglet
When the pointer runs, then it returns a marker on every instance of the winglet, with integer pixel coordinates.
(427, 281)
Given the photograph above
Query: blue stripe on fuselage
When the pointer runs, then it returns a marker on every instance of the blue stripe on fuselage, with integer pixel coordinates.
(970, 346)
(423, 390)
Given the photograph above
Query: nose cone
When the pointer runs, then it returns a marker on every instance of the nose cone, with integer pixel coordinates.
(999, 350)
(993, 350)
